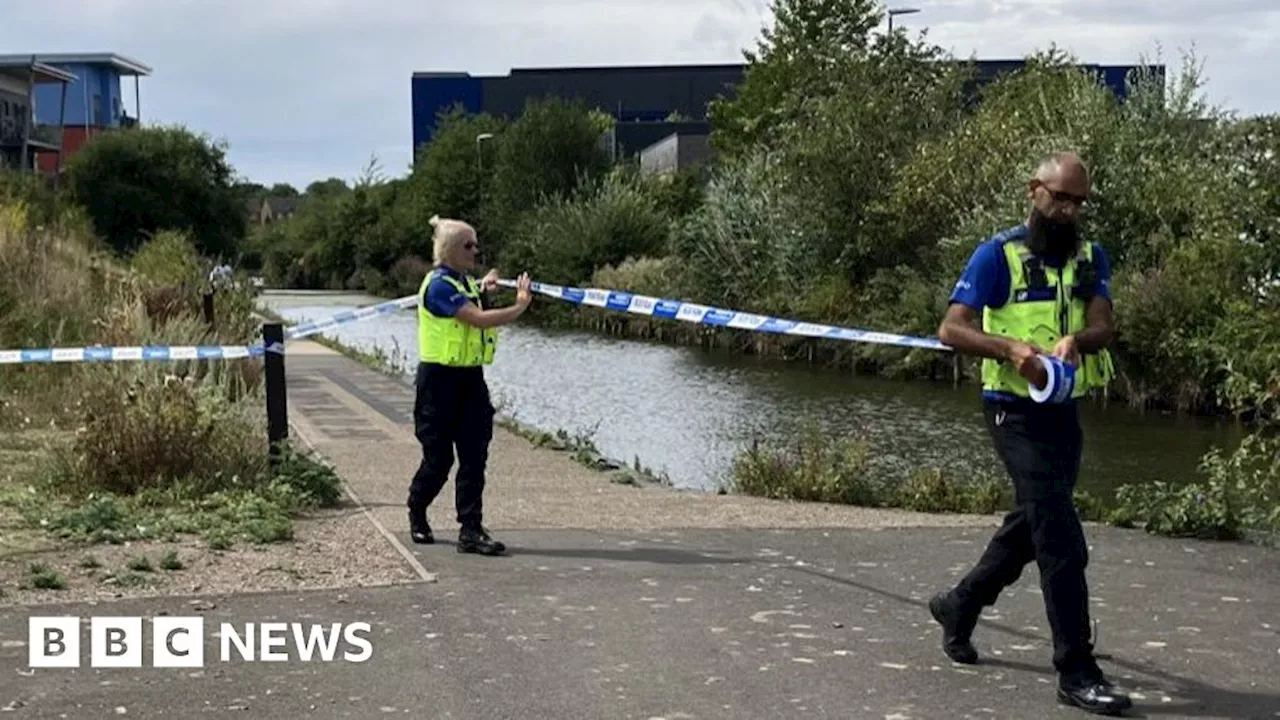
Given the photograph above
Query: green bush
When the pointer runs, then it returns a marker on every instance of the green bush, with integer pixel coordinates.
(259, 508)
(660, 277)
(566, 239)
(934, 490)
(144, 428)
(42, 577)
(169, 259)
(138, 182)
(34, 192)
(547, 153)
(747, 246)
(452, 173)
(1239, 496)
(812, 466)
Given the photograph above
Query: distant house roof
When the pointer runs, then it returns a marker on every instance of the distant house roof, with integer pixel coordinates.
(44, 72)
(282, 205)
(125, 65)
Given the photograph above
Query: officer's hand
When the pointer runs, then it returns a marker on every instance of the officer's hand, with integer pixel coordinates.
(524, 292)
(1067, 350)
(1023, 357)
(490, 281)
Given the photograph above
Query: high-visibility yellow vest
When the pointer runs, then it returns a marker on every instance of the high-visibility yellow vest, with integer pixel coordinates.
(449, 341)
(1044, 305)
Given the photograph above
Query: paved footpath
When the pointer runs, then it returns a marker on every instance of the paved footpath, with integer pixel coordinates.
(626, 602)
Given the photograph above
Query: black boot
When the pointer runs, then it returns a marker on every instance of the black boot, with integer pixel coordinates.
(1093, 694)
(957, 626)
(474, 539)
(419, 530)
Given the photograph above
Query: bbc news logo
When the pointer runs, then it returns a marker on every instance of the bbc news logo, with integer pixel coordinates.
(179, 642)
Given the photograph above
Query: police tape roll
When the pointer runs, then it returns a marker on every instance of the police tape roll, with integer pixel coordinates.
(1061, 382)
(716, 317)
(132, 354)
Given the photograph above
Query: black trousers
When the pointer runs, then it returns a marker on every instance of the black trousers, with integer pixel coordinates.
(452, 410)
(1040, 446)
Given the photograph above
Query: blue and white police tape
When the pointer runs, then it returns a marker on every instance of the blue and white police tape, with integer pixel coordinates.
(349, 316)
(705, 315)
(130, 354)
(1061, 382)
(199, 352)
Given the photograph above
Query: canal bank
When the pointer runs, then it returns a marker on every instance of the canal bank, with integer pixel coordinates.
(686, 412)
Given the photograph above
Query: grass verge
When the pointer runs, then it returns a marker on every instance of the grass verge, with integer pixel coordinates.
(126, 454)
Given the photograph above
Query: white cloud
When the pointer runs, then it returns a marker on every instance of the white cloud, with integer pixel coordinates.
(306, 89)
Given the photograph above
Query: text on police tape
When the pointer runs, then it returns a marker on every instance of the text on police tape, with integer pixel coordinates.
(179, 642)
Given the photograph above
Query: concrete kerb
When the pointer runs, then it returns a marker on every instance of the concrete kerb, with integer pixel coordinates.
(422, 573)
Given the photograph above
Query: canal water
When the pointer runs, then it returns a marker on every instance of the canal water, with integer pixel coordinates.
(686, 411)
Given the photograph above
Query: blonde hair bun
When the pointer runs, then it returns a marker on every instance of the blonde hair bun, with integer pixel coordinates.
(447, 237)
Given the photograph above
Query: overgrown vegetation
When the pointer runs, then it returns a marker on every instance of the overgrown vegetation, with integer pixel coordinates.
(855, 173)
(112, 452)
(1238, 498)
(258, 508)
(812, 465)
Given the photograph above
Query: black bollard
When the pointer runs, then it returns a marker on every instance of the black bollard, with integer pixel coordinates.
(277, 404)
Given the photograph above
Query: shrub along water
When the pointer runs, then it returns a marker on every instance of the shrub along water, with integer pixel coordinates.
(1238, 498)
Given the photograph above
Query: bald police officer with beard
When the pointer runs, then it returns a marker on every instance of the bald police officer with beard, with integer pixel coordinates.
(1039, 289)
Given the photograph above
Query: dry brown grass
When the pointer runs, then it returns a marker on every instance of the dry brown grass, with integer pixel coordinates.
(169, 459)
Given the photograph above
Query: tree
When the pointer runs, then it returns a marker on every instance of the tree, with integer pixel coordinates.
(452, 172)
(838, 110)
(330, 188)
(138, 182)
(554, 146)
(792, 62)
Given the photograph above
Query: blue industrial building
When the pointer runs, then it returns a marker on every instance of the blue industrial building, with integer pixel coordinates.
(639, 97)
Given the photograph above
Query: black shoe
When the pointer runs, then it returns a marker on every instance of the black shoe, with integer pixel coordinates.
(956, 629)
(419, 530)
(1097, 696)
(476, 540)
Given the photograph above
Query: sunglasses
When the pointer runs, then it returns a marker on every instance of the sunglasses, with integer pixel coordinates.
(1063, 198)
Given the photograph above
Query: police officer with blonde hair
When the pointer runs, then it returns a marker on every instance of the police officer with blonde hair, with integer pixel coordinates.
(457, 337)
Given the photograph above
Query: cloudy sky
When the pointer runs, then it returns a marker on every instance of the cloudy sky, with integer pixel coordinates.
(308, 89)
